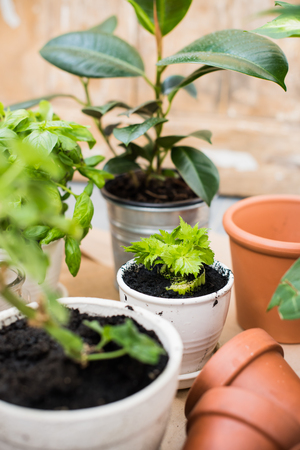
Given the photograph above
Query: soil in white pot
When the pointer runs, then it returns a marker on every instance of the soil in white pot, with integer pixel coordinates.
(150, 282)
(152, 191)
(35, 373)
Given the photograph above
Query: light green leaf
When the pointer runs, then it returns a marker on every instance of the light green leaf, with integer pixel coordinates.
(94, 160)
(45, 110)
(236, 50)
(107, 26)
(42, 140)
(93, 55)
(174, 81)
(81, 134)
(71, 342)
(97, 176)
(197, 170)
(73, 255)
(132, 132)
(13, 118)
(36, 232)
(35, 101)
(52, 235)
(169, 141)
(99, 111)
(169, 12)
(84, 210)
(6, 135)
(287, 24)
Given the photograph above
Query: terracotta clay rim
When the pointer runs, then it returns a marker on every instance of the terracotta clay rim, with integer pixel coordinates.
(257, 243)
(251, 409)
(222, 367)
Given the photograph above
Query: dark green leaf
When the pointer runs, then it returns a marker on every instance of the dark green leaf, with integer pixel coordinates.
(94, 160)
(35, 101)
(73, 255)
(36, 232)
(99, 111)
(146, 108)
(93, 55)
(197, 170)
(95, 175)
(169, 141)
(174, 81)
(110, 128)
(120, 164)
(170, 13)
(236, 50)
(107, 26)
(84, 210)
(132, 132)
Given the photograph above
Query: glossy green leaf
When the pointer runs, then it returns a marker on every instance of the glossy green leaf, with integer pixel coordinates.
(93, 55)
(120, 164)
(287, 24)
(132, 132)
(73, 255)
(287, 294)
(52, 235)
(236, 50)
(97, 176)
(197, 170)
(173, 81)
(107, 26)
(146, 108)
(84, 210)
(169, 141)
(169, 12)
(94, 160)
(99, 111)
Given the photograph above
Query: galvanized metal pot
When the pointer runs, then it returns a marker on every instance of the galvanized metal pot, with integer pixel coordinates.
(130, 221)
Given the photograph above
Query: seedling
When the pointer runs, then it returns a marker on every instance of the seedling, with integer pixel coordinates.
(181, 255)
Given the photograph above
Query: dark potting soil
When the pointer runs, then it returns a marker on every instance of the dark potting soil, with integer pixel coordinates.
(34, 371)
(152, 283)
(156, 191)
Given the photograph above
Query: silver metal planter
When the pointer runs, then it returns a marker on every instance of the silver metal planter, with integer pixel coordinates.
(130, 221)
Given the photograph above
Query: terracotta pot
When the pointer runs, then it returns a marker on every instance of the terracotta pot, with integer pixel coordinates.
(233, 419)
(252, 360)
(265, 242)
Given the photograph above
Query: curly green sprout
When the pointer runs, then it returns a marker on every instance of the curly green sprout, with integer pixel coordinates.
(181, 253)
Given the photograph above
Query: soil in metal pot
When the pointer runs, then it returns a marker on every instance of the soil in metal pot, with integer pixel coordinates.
(150, 282)
(155, 191)
(34, 371)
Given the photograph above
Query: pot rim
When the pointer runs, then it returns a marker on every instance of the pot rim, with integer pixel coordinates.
(174, 352)
(175, 301)
(252, 241)
(240, 404)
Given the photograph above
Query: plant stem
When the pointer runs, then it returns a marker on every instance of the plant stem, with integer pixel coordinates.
(66, 189)
(107, 355)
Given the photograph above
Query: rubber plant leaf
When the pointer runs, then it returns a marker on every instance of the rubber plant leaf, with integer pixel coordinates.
(93, 55)
(146, 108)
(120, 164)
(197, 170)
(107, 26)
(99, 111)
(173, 81)
(236, 50)
(169, 12)
(287, 24)
(132, 132)
(169, 141)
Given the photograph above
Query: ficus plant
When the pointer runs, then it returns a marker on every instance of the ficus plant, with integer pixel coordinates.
(56, 140)
(179, 256)
(98, 53)
(287, 294)
(24, 201)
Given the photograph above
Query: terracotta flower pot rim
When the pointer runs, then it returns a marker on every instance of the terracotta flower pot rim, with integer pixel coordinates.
(174, 301)
(241, 405)
(254, 242)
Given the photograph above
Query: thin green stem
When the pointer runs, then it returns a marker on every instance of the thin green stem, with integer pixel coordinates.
(66, 189)
(107, 355)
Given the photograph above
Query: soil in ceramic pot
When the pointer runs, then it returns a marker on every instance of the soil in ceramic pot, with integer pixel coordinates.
(35, 373)
(156, 191)
(150, 282)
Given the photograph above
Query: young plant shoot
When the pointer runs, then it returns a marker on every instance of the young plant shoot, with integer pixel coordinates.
(180, 255)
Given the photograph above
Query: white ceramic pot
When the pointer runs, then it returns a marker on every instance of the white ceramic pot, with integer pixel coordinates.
(54, 251)
(198, 320)
(135, 423)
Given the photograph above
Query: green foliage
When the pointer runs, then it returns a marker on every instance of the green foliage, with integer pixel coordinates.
(97, 53)
(287, 294)
(287, 24)
(51, 154)
(181, 253)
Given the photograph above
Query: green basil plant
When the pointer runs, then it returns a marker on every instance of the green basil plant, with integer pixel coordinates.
(98, 53)
(27, 192)
(287, 294)
(57, 142)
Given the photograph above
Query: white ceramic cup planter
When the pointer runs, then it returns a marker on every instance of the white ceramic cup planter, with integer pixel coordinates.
(135, 423)
(198, 320)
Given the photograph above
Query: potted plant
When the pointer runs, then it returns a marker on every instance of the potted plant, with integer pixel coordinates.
(135, 197)
(82, 347)
(58, 141)
(264, 242)
(175, 276)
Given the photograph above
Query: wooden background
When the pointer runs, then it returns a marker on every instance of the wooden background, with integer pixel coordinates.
(255, 124)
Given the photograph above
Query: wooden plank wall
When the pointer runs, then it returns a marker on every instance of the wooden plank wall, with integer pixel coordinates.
(245, 114)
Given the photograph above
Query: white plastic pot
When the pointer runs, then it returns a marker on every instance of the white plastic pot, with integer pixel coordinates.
(135, 423)
(54, 251)
(198, 320)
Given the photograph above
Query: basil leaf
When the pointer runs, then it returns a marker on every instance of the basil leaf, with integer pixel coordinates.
(73, 255)
(84, 210)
